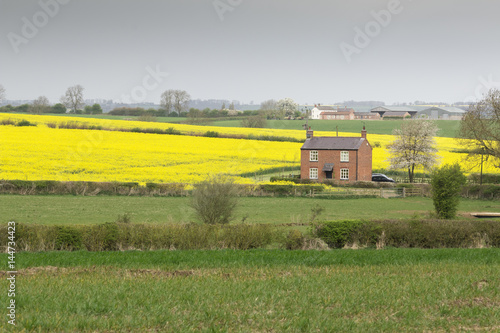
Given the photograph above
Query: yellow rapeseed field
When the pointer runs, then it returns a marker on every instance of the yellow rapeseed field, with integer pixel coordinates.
(42, 153)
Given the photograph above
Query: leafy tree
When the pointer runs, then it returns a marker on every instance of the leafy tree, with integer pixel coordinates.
(40, 105)
(58, 108)
(286, 107)
(480, 127)
(96, 109)
(87, 109)
(73, 99)
(414, 146)
(446, 185)
(21, 108)
(215, 199)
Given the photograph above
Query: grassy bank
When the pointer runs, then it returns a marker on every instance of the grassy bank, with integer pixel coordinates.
(257, 291)
(55, 209)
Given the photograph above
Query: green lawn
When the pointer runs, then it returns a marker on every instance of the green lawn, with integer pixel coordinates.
(393, 290)
(52, 209)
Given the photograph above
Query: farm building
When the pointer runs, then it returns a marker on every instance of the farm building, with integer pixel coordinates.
(395, 111)
(396, 115)
(318, 109)
(444, 112)
(343, 115)
(367, 115)
(346, 159)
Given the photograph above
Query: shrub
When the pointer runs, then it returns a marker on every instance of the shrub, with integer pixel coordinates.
(446, 185)
(211, 134)
(337, 233)
(68, 238)
(294, 240)
(215, 199)
(24, 122)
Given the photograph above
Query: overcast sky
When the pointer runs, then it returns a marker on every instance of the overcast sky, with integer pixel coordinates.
(314, 51)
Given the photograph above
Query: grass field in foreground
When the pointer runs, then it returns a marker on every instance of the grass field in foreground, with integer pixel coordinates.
(52, 209)
(393, 290)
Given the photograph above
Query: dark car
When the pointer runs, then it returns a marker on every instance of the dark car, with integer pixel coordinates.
(380, 177)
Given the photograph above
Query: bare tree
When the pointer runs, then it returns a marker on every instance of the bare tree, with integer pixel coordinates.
(175, 100)
(2, 93)
(167, 101)
(480, 127)
(414, 146)
(269, 108)
(215, 199)
(40, 105)
(73, 98)
(181, 100)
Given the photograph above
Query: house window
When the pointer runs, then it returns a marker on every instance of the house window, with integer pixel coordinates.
(313, 156)
(344, 174)
(344, 156)
(313, 173)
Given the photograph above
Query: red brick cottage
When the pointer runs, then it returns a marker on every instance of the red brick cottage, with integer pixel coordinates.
(339, 158)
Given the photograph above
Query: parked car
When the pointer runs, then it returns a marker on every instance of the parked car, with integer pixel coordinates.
(380, 177)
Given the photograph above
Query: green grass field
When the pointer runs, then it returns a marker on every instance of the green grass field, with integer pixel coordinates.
(447, 128)
(393, 290)
(53, 209)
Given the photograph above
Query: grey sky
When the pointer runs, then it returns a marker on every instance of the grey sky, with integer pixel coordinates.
(261, 49)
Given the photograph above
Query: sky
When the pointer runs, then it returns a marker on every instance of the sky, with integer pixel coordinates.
(314, 51)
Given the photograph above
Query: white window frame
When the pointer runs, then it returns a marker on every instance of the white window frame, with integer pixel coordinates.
(313, 173)
(344, 156)
(313, 156)
(344, 174)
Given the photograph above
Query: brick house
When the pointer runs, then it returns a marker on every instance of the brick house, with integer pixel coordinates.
(346, 159)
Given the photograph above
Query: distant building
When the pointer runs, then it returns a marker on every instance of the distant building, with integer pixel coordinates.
(396, 115)
(337, 115)
(443, 112)
(395, 111)
(346, 159)
(367, 115)
(316, 111)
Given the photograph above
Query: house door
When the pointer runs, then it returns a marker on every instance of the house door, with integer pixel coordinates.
(329, 174)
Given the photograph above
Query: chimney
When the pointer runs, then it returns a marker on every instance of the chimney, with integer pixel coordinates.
(309, 133)
(363, 133)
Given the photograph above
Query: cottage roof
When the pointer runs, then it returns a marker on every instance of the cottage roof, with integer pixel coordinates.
(333, 143)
